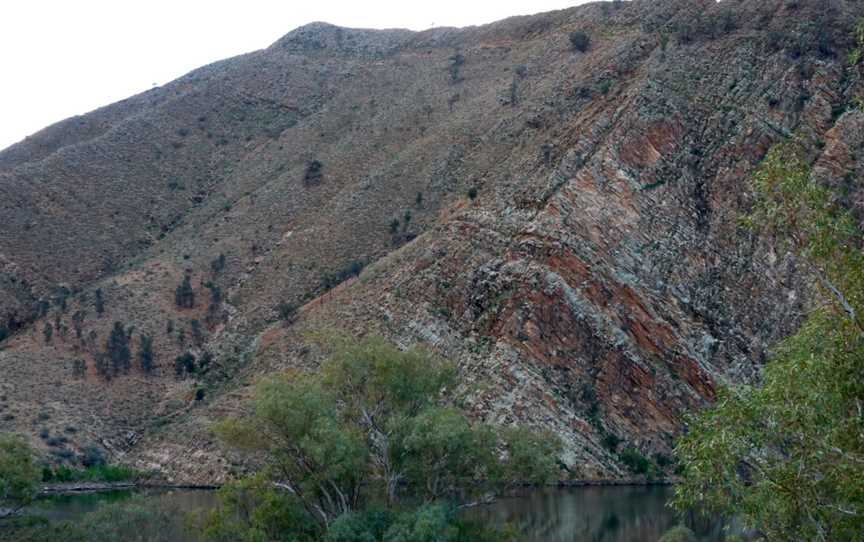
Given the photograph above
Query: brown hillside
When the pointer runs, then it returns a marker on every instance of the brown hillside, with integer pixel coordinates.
(598, 285)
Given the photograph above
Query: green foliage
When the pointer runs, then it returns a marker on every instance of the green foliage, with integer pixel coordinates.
(394, 226)
(635, 461)
(184, 295)
(367, 526)
(579, 41)
(218, 264)
(19, 474)
(532, 457)
(352, 269)
(118, 349)
(679, 533)
(287, 311)
(372, 425)
(184, 365)
(4, 333)
(787, 457)
(253, 510)
(314, 173)
(99, 301)
(456, 63)
(472, 193)
(197, 332)
(98, 472)
(48, 332)
(146, 357)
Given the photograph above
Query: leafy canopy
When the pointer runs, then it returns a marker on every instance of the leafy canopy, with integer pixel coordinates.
(374, 428)
(19, 474)
(788, 457)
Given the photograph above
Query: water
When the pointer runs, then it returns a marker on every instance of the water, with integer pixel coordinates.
(594, 514)
(584, 514)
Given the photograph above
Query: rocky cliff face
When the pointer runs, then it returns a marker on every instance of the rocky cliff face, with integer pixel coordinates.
(563, 224)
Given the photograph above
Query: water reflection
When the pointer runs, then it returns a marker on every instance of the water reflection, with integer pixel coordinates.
(584, 514)
(592, 514)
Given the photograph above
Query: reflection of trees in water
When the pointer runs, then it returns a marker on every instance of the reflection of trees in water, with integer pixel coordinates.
(596, 514)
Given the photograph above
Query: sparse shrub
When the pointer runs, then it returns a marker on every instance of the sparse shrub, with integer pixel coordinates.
(635, 461)
(394, 226)
(684, 32)
(48, 332)
(579, 41)
(472, 193)
(353, 269)
(43, 305)
(197, 332)
(314, 173)
(93, 456)
(184, 295)
(604, 86)
(455, 69)
(169, 327)
(218, 264)
(610, 441)
(215, 301)
(406, 220)
(103, 365)
(678, 534)
(99, 301)
(199, 394)
(78, 323)
(4, 331)
(118, 349)
(79, 368)
(205, 361)
(19, 475)
(184, 365)
(56, 442)
(418, 201)
(146, 358)
(286, 311)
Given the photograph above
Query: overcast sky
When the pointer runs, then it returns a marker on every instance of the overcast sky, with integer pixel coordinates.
(66, 57)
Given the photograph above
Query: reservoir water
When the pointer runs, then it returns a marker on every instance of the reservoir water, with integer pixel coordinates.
(590, 514)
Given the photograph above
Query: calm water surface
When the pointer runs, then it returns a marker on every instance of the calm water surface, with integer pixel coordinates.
(589, 514)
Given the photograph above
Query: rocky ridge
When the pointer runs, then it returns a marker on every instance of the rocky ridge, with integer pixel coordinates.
(597, 283)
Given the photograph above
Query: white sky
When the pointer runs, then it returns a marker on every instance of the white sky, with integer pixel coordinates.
(66, 57)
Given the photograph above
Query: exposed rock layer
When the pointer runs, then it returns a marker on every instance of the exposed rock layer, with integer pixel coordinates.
(598, 286)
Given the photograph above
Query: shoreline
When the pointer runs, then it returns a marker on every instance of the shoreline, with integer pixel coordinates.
(72, 488)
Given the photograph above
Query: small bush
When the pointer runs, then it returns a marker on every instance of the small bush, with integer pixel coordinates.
(184, 295)
(314, 173)
(456, 62)
(472, 193)
(286, 311)
(93, 456)
(635, 461)
(610, 441)
(218, 264)
(579, 41)
(184, 365)
(678, 534)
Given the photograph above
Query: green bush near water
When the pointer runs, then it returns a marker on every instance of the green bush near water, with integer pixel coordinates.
(96, 473)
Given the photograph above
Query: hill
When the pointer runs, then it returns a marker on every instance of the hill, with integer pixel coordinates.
(561, 222)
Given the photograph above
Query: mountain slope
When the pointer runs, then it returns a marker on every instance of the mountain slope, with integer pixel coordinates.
(597, 283)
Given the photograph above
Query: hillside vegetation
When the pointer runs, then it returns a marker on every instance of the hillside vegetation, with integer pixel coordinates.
(552, 202)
